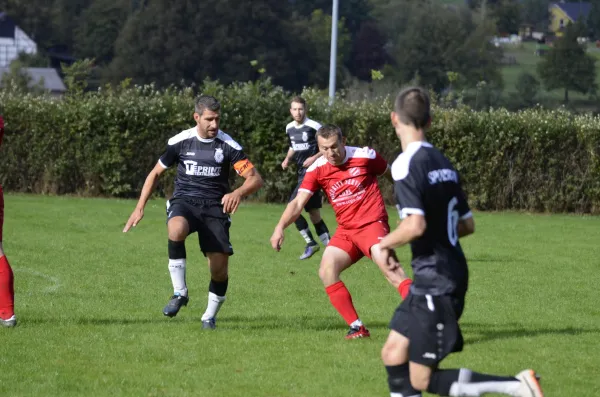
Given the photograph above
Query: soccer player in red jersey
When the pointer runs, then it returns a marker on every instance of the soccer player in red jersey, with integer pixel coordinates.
(7, 292)
(348, 175)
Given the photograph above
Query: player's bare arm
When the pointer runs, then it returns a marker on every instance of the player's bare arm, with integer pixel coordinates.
(466, 227)
(309, 161)
(288, 158)
(252, 183)
(410, 229)
(149, 186)
(291, 213)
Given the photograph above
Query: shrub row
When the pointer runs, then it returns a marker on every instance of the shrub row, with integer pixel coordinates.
(105, 142)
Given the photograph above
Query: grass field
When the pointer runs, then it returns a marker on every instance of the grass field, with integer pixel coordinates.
(89, 301)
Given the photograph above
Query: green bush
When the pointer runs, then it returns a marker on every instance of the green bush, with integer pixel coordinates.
(104, 143)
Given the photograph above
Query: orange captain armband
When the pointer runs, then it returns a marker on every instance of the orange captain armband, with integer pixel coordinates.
(243, 166)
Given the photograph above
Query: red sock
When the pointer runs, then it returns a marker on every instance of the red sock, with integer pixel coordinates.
(404, 288)
(342, 301)
(7, 292)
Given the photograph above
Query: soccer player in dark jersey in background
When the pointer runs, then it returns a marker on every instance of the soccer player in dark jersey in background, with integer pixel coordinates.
(435, 213)
(201, 203)
(7, 290)
(303, 149)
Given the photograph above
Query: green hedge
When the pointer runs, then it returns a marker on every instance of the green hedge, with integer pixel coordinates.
(104, 143)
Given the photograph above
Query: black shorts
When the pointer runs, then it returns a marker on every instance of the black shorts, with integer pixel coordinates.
(431, 325)
(205, 217)
(314, 202)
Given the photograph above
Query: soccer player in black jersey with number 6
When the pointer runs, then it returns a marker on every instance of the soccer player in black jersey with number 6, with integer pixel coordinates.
(435, 213)
(201, 203)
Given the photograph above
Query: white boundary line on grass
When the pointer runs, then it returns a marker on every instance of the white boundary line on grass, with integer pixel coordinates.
(54, 280)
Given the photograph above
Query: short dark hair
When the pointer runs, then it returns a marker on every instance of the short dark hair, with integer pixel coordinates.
(328, 130)
(298, 99)
(413, 107)
(204, 102)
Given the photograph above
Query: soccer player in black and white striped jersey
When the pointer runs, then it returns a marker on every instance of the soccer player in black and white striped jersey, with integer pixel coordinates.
(304, 151)
(425, 327)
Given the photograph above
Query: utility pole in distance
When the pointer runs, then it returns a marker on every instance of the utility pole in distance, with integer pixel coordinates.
(333, 55)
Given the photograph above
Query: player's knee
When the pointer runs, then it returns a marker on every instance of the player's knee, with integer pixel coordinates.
(391, 354)
(327, 273)
(177, 228)
(387, 354)
(177, 234)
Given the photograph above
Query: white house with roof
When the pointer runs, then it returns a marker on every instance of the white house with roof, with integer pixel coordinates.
(13, 41)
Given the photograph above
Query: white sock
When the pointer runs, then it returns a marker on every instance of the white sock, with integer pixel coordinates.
(402, 395)
(306, 236)
(357, 324)
(459, 389)
(324, 238)
(177, 270)
(214, 304)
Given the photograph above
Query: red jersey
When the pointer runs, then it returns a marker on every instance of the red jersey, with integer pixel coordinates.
(351, 187)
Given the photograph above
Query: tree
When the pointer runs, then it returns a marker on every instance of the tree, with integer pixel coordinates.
(19, 80)
(65, 18)
(16, 78)
(435, 39)
(77, 75)
(508, 16)
(311, 52)
(568, 66)
(98, 29)
(36, 60)
(368, 51)
(535, 12)
(354, 12)
(593, 20)
(527, 87)
(188, 41)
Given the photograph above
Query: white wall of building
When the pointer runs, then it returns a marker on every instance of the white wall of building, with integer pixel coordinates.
(10, 48)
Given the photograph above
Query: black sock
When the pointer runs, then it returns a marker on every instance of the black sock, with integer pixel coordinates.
(176, 249)
(441, 380)
(302, 227)
(218, 288)
(321, 228)
(399, 380)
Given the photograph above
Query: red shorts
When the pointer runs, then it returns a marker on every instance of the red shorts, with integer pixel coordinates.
(358, 242)
(1, 211)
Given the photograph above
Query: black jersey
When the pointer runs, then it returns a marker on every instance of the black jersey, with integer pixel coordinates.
(203, 165)
(303, 141)
(426, 183)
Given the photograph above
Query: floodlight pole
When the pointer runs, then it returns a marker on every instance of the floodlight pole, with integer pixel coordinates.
(333, 55)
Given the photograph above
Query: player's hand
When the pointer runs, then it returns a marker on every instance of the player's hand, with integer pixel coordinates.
(308, 162)
(391, 260)
(285, 163)
(277, 239)
(231, 202)
(134, 219)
